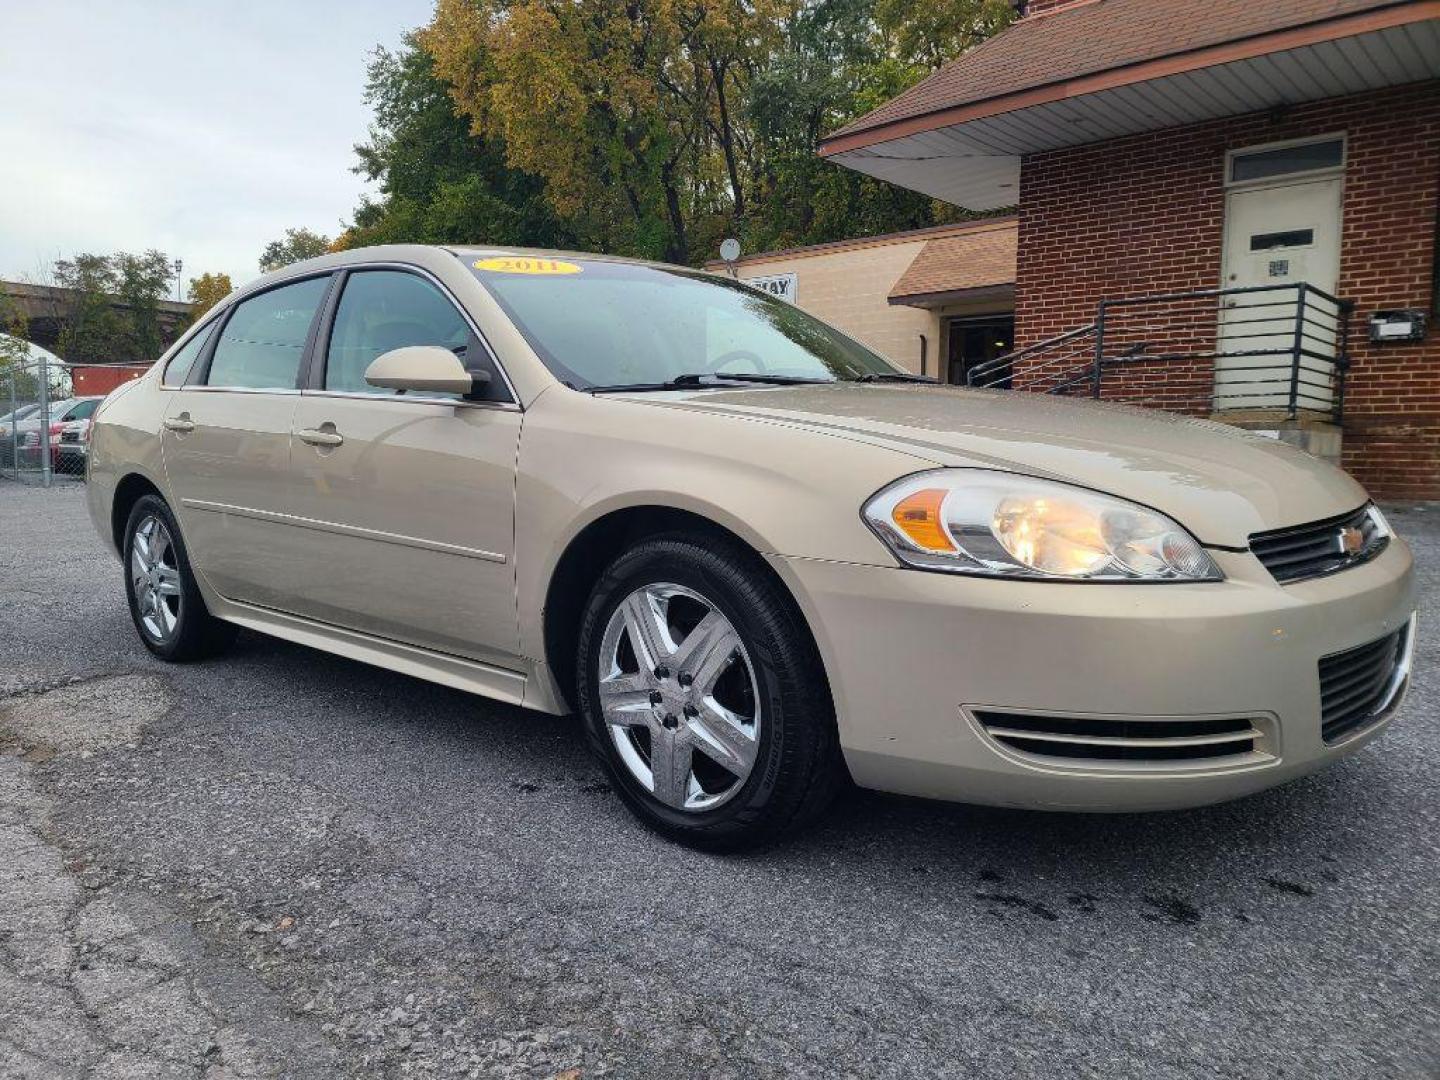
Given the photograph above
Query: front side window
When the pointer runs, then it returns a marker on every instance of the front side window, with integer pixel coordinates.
(597, 324)
(178, 369)
(262, 342)
(381, 310)
(83, 409)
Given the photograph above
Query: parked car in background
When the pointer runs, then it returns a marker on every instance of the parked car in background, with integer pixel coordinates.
(72, 445)
(17, 415)
(24, 439)
(752, 554)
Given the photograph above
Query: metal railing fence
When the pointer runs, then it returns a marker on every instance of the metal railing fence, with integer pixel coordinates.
(1280, 349)
(29, 441)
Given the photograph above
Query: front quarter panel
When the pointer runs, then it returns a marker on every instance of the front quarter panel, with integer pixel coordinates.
(124, 439)
(784, 490)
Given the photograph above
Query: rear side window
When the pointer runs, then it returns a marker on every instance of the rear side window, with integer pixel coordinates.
(381, 310)
(178, 369)
(261, 343)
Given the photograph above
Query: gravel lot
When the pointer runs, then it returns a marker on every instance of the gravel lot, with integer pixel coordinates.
(287, 864)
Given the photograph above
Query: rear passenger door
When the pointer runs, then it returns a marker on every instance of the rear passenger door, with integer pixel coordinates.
(411, 497)
(226, 443)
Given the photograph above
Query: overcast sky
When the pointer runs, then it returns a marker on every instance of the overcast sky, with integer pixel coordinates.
(203, 129)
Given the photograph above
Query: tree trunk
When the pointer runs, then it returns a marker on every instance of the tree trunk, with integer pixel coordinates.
(727, 139)
(676, 250)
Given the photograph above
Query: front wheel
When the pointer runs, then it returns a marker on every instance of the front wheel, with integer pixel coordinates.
(702, 693)
(165, 602)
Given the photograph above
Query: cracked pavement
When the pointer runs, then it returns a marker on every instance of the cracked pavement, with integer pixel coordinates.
(285, 864)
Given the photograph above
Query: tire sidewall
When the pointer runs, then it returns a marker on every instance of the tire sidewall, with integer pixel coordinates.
(190, 601)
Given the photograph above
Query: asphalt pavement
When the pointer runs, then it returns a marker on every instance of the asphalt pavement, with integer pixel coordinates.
(282, 863)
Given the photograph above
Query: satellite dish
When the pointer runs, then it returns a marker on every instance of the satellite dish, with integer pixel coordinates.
(730, 249)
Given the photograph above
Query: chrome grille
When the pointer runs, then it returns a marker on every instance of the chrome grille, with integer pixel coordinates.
(1306, 551)
(1358, 686)
(1116, 740)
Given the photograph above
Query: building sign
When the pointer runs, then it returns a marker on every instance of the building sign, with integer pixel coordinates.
(781, 285)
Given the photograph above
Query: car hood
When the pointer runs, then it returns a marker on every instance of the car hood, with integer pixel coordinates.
(1220, 482)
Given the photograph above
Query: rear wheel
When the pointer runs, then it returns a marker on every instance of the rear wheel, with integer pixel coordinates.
(165, 602)
(701, 692)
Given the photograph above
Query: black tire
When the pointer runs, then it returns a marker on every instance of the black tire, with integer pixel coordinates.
(196, 633)
(798, 766)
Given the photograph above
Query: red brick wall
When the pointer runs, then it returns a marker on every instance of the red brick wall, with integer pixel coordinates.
(1146, 214)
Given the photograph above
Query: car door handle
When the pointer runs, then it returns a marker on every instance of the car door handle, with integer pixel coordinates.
(315, 437)
(181, 423)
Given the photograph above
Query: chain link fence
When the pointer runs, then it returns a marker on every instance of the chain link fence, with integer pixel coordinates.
(33, 398)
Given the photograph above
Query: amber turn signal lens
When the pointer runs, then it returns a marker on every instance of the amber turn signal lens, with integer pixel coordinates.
(918, 517)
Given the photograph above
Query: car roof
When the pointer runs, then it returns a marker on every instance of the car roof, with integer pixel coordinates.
(465, 252)
(384, 252)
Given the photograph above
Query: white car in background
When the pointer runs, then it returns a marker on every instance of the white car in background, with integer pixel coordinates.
(71, 446)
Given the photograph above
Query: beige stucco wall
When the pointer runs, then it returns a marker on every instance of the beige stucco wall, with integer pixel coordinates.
(847, 288)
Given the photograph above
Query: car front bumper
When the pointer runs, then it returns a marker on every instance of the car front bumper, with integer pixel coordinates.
(913, 656)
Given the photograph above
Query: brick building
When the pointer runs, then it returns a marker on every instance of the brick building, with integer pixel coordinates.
(1227, 208)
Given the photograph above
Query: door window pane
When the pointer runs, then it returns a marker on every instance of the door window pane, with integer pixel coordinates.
(382, 310)
(180, 364)
(261, 343)
(1287, 159)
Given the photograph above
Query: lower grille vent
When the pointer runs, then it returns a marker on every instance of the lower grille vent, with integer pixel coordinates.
(1095, 740)
(1358, 686)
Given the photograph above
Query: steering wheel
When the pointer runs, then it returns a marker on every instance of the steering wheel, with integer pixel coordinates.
(734, 355)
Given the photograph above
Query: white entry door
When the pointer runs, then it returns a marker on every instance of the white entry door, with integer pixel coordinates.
(1278, 235)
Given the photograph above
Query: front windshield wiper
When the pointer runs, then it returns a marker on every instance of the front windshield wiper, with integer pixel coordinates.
(893, 376)
(708, 379)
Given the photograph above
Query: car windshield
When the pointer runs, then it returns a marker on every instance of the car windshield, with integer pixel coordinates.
(598, 324)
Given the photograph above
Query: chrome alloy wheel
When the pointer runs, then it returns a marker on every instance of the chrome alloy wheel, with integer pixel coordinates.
(679, 696)
(155, 578)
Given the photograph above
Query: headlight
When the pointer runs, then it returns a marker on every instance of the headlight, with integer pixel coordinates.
(973, 521)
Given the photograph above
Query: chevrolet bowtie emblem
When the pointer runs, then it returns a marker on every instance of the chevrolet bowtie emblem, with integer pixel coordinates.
(1351, 540)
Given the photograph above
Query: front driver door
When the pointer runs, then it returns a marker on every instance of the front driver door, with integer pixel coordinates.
(410, 499)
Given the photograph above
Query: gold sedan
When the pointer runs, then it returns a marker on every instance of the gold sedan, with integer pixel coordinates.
(756, 557)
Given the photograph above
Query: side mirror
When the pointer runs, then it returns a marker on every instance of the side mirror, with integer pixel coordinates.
(426, 369)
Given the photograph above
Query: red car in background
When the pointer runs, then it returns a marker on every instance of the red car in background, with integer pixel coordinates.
(67, 436)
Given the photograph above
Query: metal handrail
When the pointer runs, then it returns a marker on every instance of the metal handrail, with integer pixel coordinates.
(1315, 346)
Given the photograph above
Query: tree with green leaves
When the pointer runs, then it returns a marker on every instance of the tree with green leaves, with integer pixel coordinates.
(296, 246)
(439, 183)
(93, 326)
(14, 349)
(648, 127)
(206, 291)
(113, 307)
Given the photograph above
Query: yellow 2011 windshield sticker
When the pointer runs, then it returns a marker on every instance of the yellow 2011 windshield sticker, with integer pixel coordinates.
(526, 264)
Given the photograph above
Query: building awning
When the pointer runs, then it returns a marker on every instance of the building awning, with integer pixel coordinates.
(1110, 68)
(976, 264)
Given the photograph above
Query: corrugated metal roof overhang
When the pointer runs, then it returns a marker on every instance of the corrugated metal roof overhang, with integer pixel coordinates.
(970, 156)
